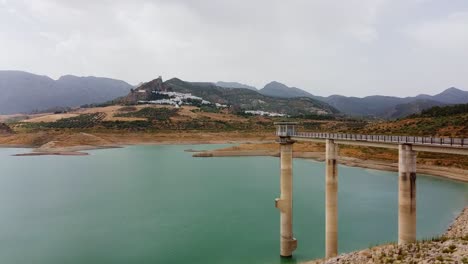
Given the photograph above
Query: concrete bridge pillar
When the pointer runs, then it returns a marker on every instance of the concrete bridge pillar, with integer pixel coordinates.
(331, 199)
(406, 194)
(288, 243)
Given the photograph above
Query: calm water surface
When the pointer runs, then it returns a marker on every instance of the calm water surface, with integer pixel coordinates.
(157, 204)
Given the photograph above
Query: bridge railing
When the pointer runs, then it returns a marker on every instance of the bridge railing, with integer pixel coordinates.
(448, 141)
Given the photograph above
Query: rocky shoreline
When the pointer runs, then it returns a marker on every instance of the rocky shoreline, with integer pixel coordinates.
(451, 247)
(459, 227)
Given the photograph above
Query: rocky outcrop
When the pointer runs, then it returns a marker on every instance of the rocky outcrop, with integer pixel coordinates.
(459, 227)
(452, 247)
(144, 92)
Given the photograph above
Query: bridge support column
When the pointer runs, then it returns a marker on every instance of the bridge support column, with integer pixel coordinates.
(288, 243)
(406, 194)
(331, 200)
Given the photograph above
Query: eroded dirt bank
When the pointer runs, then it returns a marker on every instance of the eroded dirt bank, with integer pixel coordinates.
(69, 143)
(348, 156)
(251, 144)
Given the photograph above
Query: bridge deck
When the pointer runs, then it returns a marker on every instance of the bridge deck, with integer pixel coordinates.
(426, 141)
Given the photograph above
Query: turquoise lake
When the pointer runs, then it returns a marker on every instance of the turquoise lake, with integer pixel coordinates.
(158, 204)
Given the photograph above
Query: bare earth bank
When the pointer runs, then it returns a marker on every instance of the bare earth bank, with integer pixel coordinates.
(63, 143)
(453, 173)
(258, 144)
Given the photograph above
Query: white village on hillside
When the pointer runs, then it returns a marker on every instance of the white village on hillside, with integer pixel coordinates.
(178, 99)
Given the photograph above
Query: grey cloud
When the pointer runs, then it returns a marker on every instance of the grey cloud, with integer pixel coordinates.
(355, 47)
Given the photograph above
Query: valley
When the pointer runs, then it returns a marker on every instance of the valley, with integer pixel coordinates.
(116, 125)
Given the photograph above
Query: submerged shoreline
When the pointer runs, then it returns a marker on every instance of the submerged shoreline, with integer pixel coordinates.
(438, 171)
(52, 148)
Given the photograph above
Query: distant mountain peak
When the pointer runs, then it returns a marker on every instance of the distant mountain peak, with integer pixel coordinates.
(453, 90)
(175, 79)
(276, 83)
(451, 95)
(278, 89)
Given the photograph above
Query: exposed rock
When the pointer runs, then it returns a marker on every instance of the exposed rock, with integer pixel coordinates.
(144, 92)
(459, 227)
(452, 247)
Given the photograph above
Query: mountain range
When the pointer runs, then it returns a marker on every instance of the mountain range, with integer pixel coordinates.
(240, 99)
(374, 106)
(235, 85)
(22, 92)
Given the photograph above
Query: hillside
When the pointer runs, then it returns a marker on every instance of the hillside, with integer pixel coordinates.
(140, 118)
(450, 96)
(24, 92)
(234, 85)
(437, 121)
(151, 119)
(451, 110)
(238, 98)
(378, 106)
(406, 109)
(277, 89)
(394, 107)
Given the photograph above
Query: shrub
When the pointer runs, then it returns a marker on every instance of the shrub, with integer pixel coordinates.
(152, 114)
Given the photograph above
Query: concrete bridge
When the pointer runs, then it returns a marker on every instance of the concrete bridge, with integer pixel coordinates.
(407, 147)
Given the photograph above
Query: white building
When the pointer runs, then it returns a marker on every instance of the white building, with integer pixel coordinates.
(264, 113)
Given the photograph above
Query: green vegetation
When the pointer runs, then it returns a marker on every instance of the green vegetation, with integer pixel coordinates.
(315, 117)
(55, 110)
(451, 121)
(81, 121)
(438, 126)
(127, 125)
(406, 109)
(439, 111)
(245, 99)
(156, 119)
(108, 103)
(207, 109)
(152, 114)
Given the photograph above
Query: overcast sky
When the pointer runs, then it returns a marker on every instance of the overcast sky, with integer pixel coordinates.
(350, 47)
